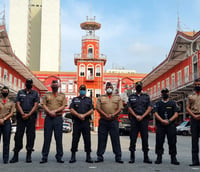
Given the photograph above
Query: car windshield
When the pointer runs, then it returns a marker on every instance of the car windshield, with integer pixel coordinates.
(183, 124)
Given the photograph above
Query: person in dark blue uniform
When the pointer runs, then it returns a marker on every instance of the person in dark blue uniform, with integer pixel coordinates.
(26, 103)
(139, 107)
(81, 109)
(166, 111)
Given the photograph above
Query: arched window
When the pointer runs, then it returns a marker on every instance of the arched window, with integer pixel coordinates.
(90, 72)
(98, 70)
(90, 51)
(82, 70)
(195, 67)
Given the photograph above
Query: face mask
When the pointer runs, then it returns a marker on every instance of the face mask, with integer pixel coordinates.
(109, 90)
(54, 89)
(28, 86)
(138, 88)
(82, 92)
(197, 88)
(4, 94)
(165, 96)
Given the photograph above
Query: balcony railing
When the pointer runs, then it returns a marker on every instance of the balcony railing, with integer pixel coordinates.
(79, 56)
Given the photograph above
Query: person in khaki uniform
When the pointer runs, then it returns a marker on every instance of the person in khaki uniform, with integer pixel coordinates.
(109, 107)
(193, 108)
(53, 103)
(6, 111)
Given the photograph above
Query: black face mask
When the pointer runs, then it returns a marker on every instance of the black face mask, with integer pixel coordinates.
(197, 88)
(4, 94)
(28, 86)
(54, 89)
(165, 96)
(138, 88)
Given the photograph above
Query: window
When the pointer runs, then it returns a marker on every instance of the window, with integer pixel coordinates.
(158, 88)
(15, 83)
(5, 76)
(70, 86)
(179, 78)
(151, 91)
(10, 79)
(19, 83)
(97, 92)
(22, 85)
(90, 72)
(90, 51)
(195, 67)
(89, 93)
(163, 84)
(82, 70)
(167, 83)
(154, 90)
(63, 87)
(173, 80)
(98, 70)
(186, 71)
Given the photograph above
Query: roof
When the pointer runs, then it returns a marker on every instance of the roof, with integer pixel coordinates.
(7, 55)
(178, 53)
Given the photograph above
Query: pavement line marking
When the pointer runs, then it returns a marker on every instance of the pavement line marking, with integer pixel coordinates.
(92, 167)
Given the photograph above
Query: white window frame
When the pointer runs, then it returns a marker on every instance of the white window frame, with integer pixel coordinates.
(179, 77)
(186, 74)
(98, 67)
(167, 83)
(82, 69)
(173, 80)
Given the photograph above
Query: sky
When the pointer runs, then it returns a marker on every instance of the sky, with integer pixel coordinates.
(135, 34)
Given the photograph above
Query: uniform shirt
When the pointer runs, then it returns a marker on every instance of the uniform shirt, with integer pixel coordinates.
(27, 99)
(194, 102)
(6, 108)
(81, 105)
(54, 102)
(109, 104)
(139, 103)
(165, 109)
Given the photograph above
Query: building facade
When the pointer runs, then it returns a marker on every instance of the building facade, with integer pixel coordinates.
(177, 72)
(36, 38)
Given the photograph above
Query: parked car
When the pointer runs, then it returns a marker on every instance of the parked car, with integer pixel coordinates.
(67, 125)
(13, 128)
(184, 128)
(124, 122)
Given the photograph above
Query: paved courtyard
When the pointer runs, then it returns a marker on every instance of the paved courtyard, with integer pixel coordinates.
(184, 156)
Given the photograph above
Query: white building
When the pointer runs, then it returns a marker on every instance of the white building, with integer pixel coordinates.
(34, 32)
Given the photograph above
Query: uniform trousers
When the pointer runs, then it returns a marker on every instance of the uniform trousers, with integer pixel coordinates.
(170, 131)
(5, 131)
(195, 129)
(53, 124)
(29, 125)
(111, 127)
(137, 127)
(81, 127)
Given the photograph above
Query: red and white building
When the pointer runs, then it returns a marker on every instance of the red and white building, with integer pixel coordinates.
(177, 72)
(13, 73)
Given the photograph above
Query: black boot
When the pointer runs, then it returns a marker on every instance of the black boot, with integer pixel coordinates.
(88, 158)
(146, 158)
(159, 159)
(174, 160)
(15, 157)
(132, 157)
(73, 157)
(28, 157)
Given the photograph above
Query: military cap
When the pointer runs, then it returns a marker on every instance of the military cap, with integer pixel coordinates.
(138, 83)
(164, 90)
(82, 87)
(29, 81)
